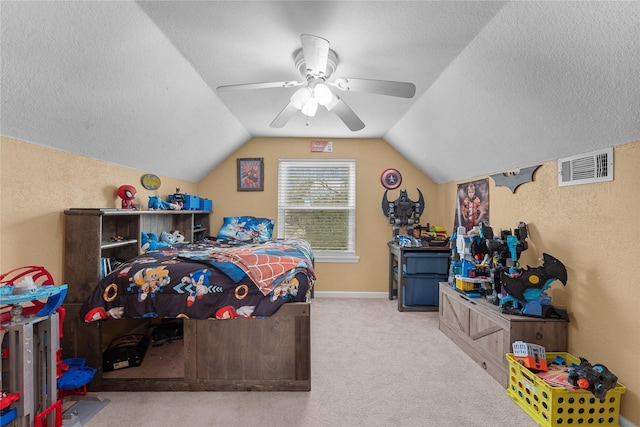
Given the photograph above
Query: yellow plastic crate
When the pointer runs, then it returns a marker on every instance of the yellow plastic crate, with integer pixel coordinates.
(467, 284)
(559, 406)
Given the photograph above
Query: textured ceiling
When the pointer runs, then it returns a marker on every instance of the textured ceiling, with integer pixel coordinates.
(500, 85)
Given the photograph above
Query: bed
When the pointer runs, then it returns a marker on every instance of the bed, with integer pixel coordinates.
(245, 305)
(211, 279)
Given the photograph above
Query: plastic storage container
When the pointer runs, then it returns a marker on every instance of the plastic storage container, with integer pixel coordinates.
(559, 406)
(206, 205)
(422, 289)
(191, 203)
(427, 263)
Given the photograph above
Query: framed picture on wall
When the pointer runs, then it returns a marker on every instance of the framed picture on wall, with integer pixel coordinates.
(472, 204)
(251, 174)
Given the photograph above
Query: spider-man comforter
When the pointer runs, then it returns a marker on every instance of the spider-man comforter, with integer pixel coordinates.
(210, 279)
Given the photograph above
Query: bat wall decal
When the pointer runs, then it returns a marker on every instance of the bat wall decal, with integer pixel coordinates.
(514, 180)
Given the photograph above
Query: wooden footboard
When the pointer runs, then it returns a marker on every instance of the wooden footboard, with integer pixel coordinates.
(270, 354)
(251, 354)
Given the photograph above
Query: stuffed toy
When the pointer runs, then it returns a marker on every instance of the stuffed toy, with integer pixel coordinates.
(179, 236)
(167, 238)
(156, 203)
(127, 193)
(151, 242)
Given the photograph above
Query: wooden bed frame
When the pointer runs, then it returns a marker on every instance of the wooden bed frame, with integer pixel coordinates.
(234, 354)
(258, 354)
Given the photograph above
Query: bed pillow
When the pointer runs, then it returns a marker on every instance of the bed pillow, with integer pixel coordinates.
(260, 229)
(233, 227)
(246, 228)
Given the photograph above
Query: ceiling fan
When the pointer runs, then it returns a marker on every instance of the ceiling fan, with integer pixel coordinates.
(316, 63)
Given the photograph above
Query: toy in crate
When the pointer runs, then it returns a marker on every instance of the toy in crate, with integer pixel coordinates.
(550, 399)
(595, 378)
(532, 356)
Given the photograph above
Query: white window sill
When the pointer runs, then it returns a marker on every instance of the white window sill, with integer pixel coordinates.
(337, 258)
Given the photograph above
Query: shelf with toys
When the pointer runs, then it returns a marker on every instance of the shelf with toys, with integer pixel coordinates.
(95, 234)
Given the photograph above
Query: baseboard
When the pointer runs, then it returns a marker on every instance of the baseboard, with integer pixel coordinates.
(625, 422)
(340, 294)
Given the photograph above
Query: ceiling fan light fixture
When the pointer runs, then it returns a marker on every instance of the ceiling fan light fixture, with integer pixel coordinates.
(334, 101)
(309, 109)
(323, 94)
(301, 97)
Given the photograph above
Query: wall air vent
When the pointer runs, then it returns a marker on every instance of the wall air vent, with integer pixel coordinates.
(596, 166)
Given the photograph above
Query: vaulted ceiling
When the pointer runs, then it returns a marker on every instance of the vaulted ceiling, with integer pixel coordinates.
(499, 85)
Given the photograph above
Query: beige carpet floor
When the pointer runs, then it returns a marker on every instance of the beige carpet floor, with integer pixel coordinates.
(371, 366)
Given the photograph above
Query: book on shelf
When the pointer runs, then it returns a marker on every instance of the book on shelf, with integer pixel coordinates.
(105, 267)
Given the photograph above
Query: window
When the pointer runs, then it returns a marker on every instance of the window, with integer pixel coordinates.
(317, 202)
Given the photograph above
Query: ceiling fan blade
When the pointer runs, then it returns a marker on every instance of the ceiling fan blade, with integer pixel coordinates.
(281, 119)
(316, 54)
(346, 114)
(251, 86)
(381, 87)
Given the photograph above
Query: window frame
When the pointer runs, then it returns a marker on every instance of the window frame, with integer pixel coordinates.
(348, 255)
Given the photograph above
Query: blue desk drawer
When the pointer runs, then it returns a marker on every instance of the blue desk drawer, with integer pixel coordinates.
(422, 289)
(426, 263)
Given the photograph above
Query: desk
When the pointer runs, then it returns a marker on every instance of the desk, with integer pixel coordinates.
(427, 267)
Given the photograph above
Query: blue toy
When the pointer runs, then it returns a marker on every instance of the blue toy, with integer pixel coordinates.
(168, 238)
(151, 242)
(156, 203)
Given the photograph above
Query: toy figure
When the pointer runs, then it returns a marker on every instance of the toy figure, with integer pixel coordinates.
(403, 211)
(127, 193)
(178, 197)
(506, 250)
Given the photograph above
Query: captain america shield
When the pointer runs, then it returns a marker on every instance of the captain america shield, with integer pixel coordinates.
(391, 179)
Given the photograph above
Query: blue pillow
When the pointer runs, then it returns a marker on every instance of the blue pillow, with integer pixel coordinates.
(246, 228)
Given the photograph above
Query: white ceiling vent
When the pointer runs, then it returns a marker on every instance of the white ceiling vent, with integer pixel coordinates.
(596, 166)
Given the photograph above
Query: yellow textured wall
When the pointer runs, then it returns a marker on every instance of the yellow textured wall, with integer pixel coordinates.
(372, 157)
(39, 183)
(593, 229)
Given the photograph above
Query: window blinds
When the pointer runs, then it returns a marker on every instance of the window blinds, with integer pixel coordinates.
(316, 202)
